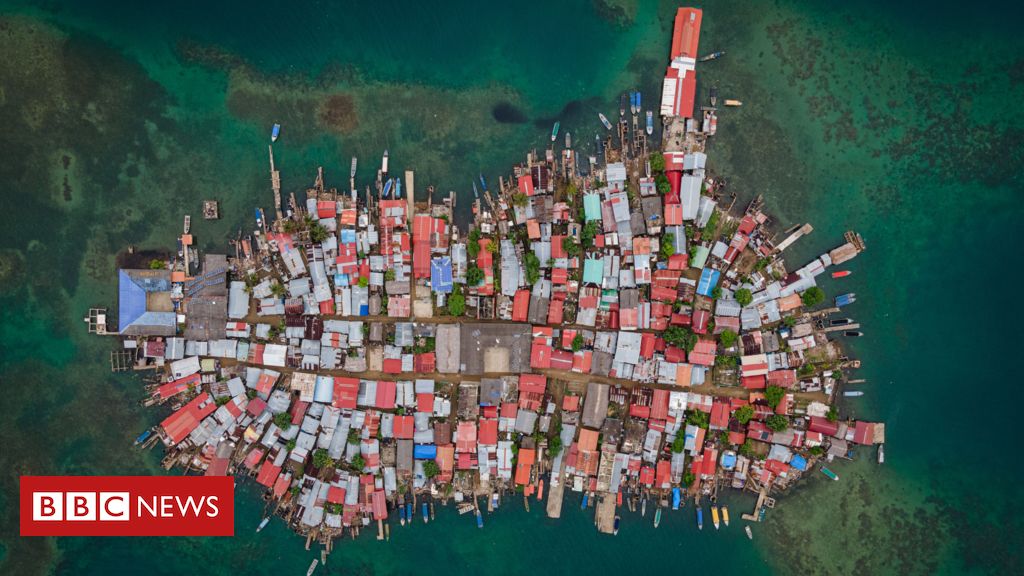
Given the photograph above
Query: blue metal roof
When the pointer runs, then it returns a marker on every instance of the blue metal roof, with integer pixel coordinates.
(441, 274)
(132, 289)
(798, 462)
(708, 281)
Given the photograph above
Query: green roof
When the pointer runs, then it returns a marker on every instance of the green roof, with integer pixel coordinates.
(592, 207)
(701, 257)
(593, 271)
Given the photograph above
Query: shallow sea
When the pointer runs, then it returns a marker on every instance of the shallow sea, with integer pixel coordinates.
(898, 120)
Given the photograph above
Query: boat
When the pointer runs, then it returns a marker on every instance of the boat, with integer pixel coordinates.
(750, 534)
(643, 507)
(398, 188)
(475, 193)
(700, 517)
(554, 130)
(844, 299)
(615, 529)
(259, 218)
(275, 132)
(675, 498)
(714, 515)
(638, 108)
(733, 103)
(479, 519)
(143, 437)
(568, 140)
(387, 188)
(840, 321)
(408, 511)
(352, 169)
(713, 124)
(881, 453)
(632, 102)
(618, 498)
(657, 517)
(725, 516)
(650, 122)
(384, 162)
(622, 104)
(426, 512)
(604, 120)
(841, 274)
(188, 223)
(853, 393)
(829, 473)
(586, 498)
(494, 500)
(312, 567)
(483, 183)
(713, 93)
(540, 490)
(401, 514)
(263, 524)
(853, 333)
(712, 56)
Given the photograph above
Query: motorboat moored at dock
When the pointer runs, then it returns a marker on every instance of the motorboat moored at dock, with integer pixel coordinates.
(275, 132)
(700, 517)
(604, 120)
(829, 473)
(845, 299)
(881, 453)
(840, 321)
(615, 530)
(657, 517)
(554, 130)
(725, 516)
(714, 515)
(853, 394)
(650, 122)
(853, 333)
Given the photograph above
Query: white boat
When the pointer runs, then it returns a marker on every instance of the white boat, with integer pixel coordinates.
(881, 453)
(384, 163)
(604, 120)
(650, 122)
(750, 534)
(352, 170)
(312, 567)
(853, 393)
(263, 524)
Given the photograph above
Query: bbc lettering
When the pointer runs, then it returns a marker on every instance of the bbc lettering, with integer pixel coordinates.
(80, 506)
(127, 506)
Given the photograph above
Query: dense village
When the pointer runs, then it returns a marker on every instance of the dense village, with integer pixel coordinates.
(612, 325)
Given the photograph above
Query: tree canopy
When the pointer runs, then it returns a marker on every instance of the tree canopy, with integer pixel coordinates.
(532, 268)
(744, 413)
(431, 469)
(283, 420)
(813, 296)
(679, 444)
(727, 338)
(744, 297)
(322, 460)
(668, 246)
(774, 394)
(680, 337)
(777, 423)
(456, 303)
(571, 247)
(474, 276)
(698, 418)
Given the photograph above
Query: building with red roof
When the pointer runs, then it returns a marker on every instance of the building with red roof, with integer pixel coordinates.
(704, 352)
(524, 464)
(488, 432)
(386, 390)
(179, 425)
(346, 391)
(719, 415)
(404, 427)
(465, 437)
(521, 306)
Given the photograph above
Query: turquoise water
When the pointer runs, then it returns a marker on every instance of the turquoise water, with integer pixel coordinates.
(901, 123)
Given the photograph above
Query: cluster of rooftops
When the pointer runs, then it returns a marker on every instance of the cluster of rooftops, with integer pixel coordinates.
(609, 331)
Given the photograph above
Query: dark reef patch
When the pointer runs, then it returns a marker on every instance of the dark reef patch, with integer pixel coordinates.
(506, 113)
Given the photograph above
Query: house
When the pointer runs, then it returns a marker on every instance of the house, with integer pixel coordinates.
(144, 303)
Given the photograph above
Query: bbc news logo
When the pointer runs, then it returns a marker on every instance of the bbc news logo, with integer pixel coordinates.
(127, 506)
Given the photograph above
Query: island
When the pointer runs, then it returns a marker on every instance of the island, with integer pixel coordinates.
(611, 325)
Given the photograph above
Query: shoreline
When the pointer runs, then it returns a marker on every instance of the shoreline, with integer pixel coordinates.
(277, 253)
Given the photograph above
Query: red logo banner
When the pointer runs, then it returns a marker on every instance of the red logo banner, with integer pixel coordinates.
(127, 506)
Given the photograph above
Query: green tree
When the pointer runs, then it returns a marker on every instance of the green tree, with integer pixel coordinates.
(571, 247)
(667, 247)
(156, 264)
(688, 478)
(519, 199)
(278, 290)
(833, 414)
(805, 370)
(774, 394)
(358, 462)
(532, 268)
(712, 225)
(662, 184)
(283, 421)
(657, 161)
(588, 233)
(716, 292)
(747, 449)
(290, 445)
(492, 246)
(789, 321)
(363, 281)
(679, 444)
(680, 337)
(777, 422)
(390, 274)
(577, 343)
(727, 338)
(317, 233)
(555, 446)
(457, 303)
(726, 361)
(698, 418)
(816, 450)
(744, 413)
(813, 296)
(474, 276)
(321, 460)
(431, 469)
(744, 297)
(473, 249)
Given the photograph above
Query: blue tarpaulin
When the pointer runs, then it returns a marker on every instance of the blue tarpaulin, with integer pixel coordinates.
(424, 452)
(708, 281)
(798, 462)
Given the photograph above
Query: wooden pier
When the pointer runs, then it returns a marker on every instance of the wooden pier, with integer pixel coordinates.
(97, 321)
(122, 360)
(843, 327)
(275, 182)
